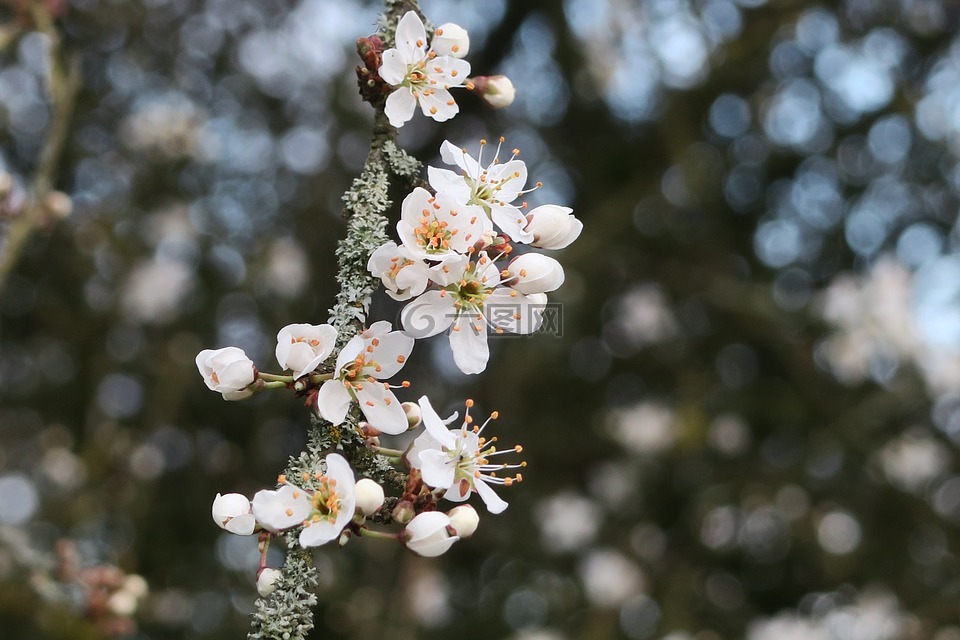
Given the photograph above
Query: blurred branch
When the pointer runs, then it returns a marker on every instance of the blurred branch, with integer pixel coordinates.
(63, 84)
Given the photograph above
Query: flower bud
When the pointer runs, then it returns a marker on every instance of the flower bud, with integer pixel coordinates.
(403, 512)
(553, 226)
(225, 370)
(428, 534)
(122, 603)
(497, 91)
(136, 584)
(58, 205)
(464, 520)
(302, 347)
(369, 496)
(267, 581)
(414, 417)
(450, 40)
(232, 512)
(535, 273)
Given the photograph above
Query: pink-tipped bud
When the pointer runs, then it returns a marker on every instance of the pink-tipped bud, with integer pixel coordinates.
(403, 512)
(497, 91)
(414, 416)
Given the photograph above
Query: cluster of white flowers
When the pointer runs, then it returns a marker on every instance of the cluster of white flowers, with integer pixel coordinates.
(454, 264)
(454, 260)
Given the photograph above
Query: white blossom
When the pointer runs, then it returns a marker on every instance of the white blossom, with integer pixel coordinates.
(553, 226)
(226, 370)
(459, 460)
(437, 226)
(232, 512)
(428, 534)
(494, 187)
(368, 358)
(470, 299)
(323, 512)
(420, 75)
(302, 347)
(403, 275)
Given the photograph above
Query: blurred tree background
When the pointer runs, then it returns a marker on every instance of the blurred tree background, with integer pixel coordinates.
(747, 428)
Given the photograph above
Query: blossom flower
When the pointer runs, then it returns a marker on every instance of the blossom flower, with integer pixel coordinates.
(421, 76)
(534, 273)
(302, 347)
(553, 226)
(458, 460)
(494, 187)
(323, 512)
(429, 534)
(403, 275)
(469, 298)
(226, 370)
(437, 226)
(232, 512)
(374, 355)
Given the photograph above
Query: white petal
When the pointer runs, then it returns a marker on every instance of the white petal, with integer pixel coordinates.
(339, 470)
(242, 525)
(333, 401)
(390, 353)
(448, 182)
(434, 425)
(458, 492)
(449, 270)
(393, 69)
(411, 37)
(514, 312)
(454, 155)
(495, 504)
(428, 315)
(468, 339)
(438, 105)
(277, 510)
(509, 219)
(450, 40)
(424, 442)
(400, 106)
(437, 470)
(381, 408)
(349, 353)
(319, 533)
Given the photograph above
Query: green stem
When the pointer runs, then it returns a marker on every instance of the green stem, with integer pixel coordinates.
(320, 377)
(390, 453)
(273, 385)
(380, 535)
(273, 377)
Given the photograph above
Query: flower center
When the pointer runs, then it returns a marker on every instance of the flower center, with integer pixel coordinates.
(433, 235)
(325, 501)
(471, 291)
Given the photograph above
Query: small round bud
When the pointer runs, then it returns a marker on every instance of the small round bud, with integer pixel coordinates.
(414, 416)
(122, 603)
(58, 204)
(403, 512)
(369, 496)
(464, 520)
(497, 91)
(136, 584)
(267, 581)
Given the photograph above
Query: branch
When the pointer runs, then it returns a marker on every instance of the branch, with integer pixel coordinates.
(63, 85)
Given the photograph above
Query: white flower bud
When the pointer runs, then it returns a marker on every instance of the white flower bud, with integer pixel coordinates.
(136, 584)
(369, 496)
(302, 347)
(122, 603)
(464, 520)
(553, 226)
(232, 512)
(499, 92)
(427, 534)
(267, 581)
(535, 273)
(450, 40)
(58, 204)
(414, 417)
(225, 370)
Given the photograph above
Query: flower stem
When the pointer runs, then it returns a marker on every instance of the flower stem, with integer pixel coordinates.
(320, 377)
(274, 385)
(273, 377)
(381, 535)
(389, 453)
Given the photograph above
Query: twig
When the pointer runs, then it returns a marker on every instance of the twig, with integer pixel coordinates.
(63, 85)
